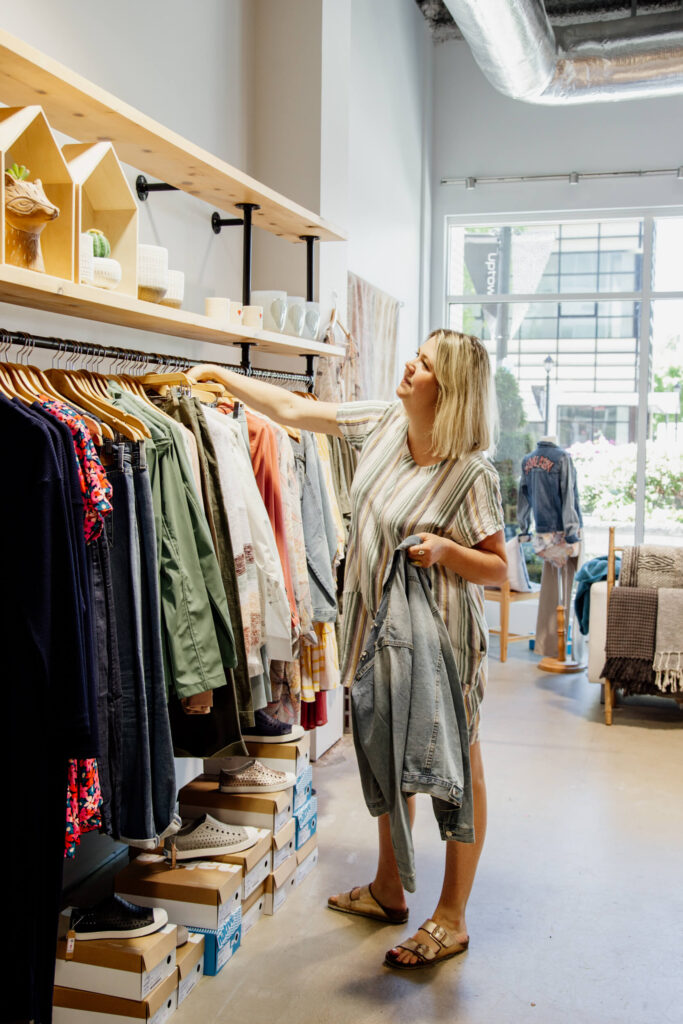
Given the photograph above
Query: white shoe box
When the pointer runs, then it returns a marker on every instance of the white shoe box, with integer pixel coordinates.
(279, 884)
(190, 961)
(253, 908)
(284, 843)
(255, 863)
(307, 858)
(262, 810)
(128, 968)
(198, 894)
(75, 1006)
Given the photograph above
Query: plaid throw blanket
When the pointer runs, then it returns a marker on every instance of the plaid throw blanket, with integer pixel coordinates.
(668, 660)
(651, 565)
(630, 646)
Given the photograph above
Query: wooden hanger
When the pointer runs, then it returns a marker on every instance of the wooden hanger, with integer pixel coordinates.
(69, 385)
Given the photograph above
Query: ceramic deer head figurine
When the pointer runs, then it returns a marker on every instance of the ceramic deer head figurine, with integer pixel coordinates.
(27, 211)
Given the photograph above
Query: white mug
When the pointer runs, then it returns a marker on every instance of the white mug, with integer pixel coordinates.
(274, 309)
(296, 314)
(236, 313)
(312, 320)
(252, 316)
(217, 307)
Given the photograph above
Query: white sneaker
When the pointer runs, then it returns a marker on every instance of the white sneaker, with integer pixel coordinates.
(207, 837)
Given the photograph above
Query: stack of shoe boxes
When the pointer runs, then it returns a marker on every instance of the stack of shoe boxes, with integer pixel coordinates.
(203, 895)
(120, 979)
(268, 813)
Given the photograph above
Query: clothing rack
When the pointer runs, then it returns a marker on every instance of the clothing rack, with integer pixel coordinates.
(28, 341)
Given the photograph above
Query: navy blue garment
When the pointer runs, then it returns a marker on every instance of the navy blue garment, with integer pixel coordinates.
(45, 699)
(548, 490)
(590, 572)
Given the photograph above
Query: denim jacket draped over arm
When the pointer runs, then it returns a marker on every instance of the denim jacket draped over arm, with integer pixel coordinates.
(409, 719)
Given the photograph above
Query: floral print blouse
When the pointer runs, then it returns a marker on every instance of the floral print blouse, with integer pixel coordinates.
(95, 486)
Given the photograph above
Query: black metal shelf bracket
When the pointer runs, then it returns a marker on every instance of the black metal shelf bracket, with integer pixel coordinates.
(310, 241)
(245, 364)
(143, 187)
(218, 222)
(246, 250)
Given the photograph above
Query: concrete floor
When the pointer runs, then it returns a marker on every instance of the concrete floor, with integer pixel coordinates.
(577, 911)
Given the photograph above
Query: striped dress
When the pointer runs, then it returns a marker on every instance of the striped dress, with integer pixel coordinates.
(392, 497)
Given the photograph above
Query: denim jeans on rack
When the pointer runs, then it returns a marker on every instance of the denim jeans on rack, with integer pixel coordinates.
(109, 697)
(163, 781)
(136, 825)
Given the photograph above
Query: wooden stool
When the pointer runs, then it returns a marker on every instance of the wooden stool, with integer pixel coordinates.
(505, 597)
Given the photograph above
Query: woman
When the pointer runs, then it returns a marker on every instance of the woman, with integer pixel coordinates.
(407, 484)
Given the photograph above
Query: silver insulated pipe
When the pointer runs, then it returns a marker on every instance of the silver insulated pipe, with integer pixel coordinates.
(515, 46)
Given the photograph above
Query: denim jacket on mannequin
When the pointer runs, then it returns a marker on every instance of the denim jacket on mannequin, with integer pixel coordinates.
(409, 720)
(548, 489)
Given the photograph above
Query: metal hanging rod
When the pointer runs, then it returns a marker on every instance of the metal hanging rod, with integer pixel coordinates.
(571, 178)
(143, 187)
(64, 345)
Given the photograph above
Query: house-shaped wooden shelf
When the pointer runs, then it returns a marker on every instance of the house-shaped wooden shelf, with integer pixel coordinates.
(26, 138)
(104, 200)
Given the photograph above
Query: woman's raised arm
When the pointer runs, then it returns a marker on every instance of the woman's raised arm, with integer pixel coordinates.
(278, 403)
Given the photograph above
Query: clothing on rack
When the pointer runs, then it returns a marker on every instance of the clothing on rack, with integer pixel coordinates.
(48, 703)
(198, 641)
(189, 412)
(319, 529)
(146, 781)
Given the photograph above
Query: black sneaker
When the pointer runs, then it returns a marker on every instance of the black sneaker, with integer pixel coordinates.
(116, 918)
(267, 729)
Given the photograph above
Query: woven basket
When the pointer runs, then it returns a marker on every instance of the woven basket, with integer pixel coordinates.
(106, 272)
(152, 272)
(176, 290)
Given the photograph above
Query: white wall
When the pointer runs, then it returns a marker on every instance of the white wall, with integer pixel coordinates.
(478, 131)
(189, 73)
(390, 108)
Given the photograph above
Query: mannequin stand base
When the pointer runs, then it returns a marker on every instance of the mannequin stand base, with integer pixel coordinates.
(560, 667)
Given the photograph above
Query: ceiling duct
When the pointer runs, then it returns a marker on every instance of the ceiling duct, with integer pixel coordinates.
(522, 56)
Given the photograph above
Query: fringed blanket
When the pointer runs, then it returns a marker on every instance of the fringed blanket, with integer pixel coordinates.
(651, 565)
(630, 646)
(668, 659)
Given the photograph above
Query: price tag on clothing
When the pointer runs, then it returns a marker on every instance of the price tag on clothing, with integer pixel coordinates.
(70, 944)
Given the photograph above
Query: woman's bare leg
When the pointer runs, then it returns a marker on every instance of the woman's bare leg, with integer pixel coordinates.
(461, 866)
(386, 885)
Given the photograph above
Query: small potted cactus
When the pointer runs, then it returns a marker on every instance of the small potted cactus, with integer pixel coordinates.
(106, 271)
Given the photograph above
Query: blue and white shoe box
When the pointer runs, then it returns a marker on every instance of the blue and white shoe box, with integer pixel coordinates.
(221, 944)
(306, 821)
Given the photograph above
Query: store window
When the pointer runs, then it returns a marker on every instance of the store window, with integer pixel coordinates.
(563, 311)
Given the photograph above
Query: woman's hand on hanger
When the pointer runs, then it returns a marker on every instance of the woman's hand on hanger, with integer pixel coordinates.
(276, 402)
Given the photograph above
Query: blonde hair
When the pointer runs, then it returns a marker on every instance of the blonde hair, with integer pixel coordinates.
(465, 420)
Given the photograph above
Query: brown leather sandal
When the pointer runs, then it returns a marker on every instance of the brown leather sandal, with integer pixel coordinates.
(360, 901)
(426, 956)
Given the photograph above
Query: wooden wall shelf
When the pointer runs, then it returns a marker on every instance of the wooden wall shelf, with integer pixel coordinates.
(89, 114)
(28, 288)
